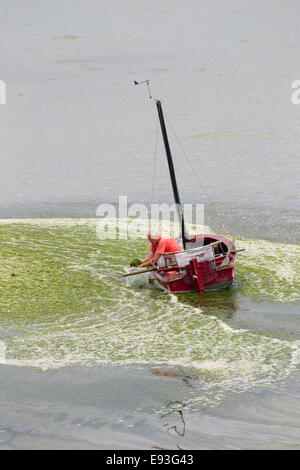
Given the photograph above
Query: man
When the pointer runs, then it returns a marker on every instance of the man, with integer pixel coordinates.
(159, 245)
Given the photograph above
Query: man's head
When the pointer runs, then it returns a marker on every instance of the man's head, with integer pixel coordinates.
(153, 236)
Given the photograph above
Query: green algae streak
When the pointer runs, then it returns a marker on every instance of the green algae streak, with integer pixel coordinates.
(48, 270)
(63, 302)
(51, 267)
(269, 271)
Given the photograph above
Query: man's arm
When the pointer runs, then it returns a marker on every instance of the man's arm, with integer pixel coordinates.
(150, 259)
(146, 261)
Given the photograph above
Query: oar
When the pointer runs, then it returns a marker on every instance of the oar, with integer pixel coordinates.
(139, 272)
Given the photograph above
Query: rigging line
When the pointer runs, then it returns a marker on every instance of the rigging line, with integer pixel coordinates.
(153, 182)
(195, 174)
(154, 163)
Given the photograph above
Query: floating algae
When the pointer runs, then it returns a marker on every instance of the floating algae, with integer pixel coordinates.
(268, 271)
(64, 302)
(135, 262)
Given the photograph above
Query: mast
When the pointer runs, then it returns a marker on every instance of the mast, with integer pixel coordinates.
(171, 170)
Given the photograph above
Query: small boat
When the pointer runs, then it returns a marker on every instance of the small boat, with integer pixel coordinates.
(206, 262)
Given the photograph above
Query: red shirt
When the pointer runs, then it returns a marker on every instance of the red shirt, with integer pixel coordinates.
(165, 245)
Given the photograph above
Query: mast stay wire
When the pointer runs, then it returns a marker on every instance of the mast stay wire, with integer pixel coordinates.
(185, 155)
(195, 174)
(154, 163)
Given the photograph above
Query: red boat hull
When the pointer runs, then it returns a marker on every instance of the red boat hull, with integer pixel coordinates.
(216, 273)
